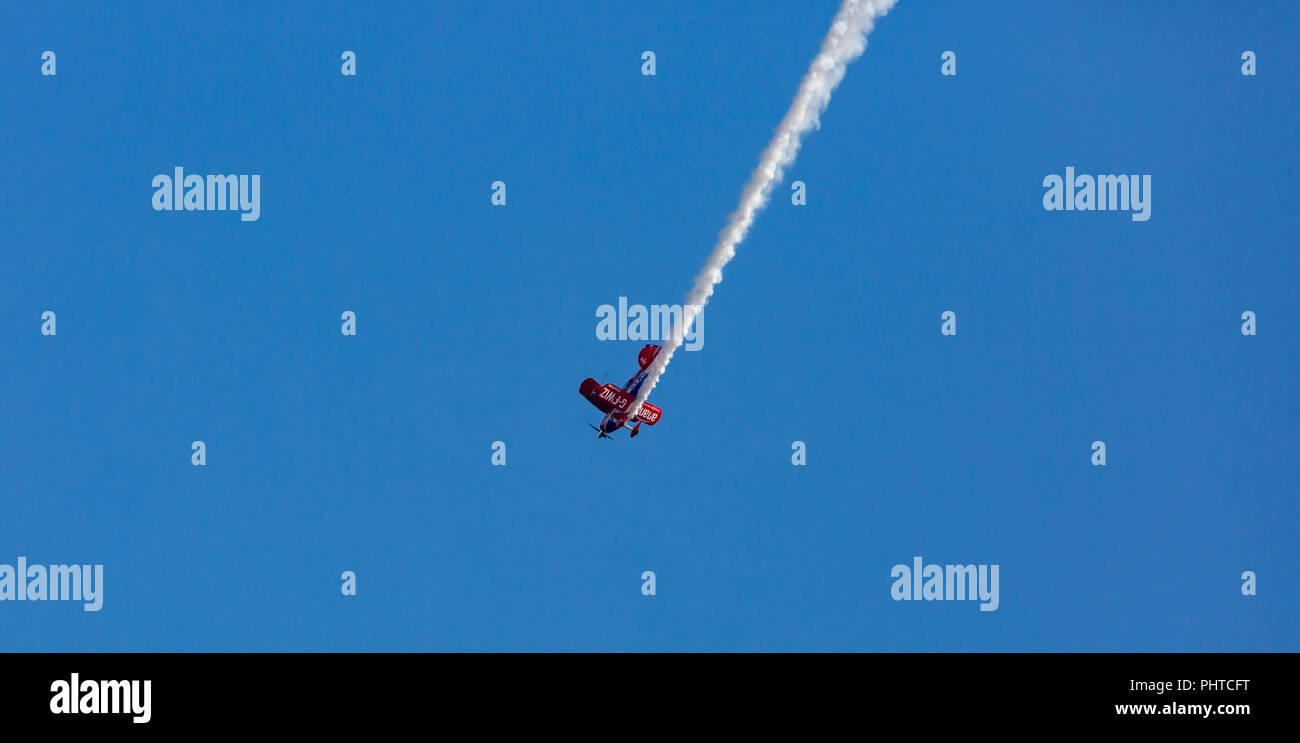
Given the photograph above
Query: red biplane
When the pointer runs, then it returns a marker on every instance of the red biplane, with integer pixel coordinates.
(614, 401)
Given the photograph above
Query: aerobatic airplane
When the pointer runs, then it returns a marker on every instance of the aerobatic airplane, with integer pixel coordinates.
(614, 401)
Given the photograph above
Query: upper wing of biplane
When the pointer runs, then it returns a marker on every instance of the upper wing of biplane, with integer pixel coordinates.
(606, 397)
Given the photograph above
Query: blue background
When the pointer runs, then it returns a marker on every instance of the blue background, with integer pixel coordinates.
(476, 323)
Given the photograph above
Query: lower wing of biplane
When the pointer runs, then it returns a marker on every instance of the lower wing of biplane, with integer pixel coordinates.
(614, 402)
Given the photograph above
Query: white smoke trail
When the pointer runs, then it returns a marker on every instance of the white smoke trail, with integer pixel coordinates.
(844, 43)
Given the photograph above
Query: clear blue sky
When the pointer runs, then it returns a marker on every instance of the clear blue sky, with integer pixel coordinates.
(476, 323)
